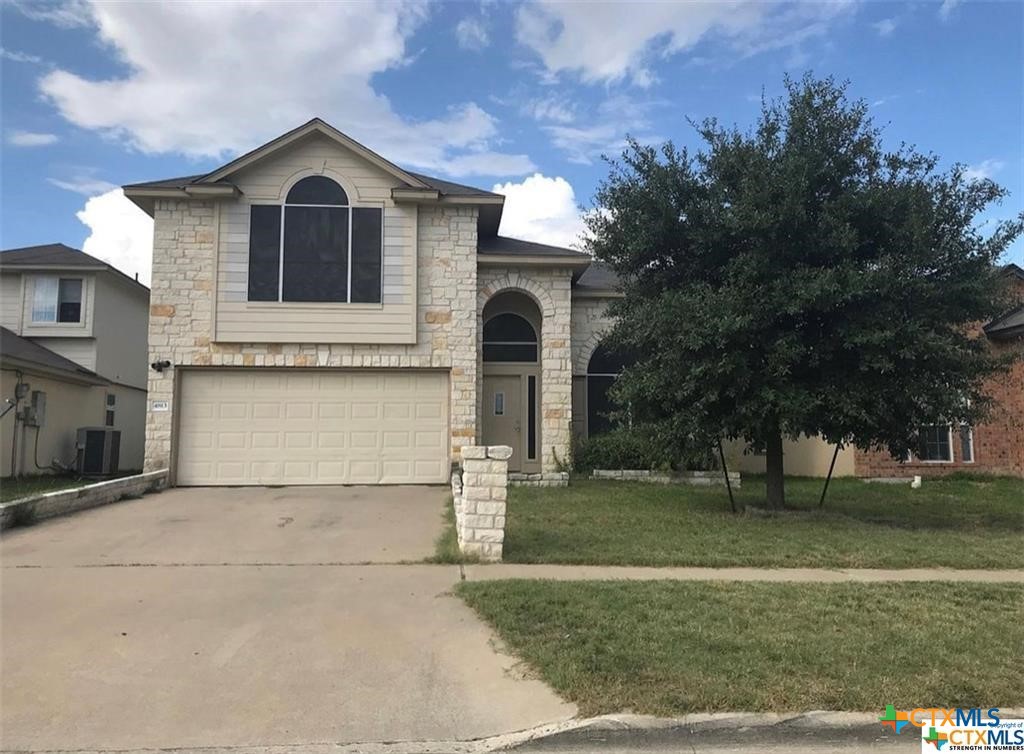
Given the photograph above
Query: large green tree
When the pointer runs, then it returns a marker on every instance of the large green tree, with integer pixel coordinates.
(799, 278)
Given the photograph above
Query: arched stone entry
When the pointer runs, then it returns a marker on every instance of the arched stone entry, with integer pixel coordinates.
(511, 390)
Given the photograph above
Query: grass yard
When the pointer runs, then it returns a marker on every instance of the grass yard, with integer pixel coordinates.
(11, 489)
(956, 523)
(667, 648)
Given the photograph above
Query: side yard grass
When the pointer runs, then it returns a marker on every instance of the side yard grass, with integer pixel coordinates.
(955, 523)
(14, 489)
(668, 648)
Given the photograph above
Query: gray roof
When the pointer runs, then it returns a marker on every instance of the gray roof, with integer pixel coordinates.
(598, 277)
(16, 348)
(1009, 325)
(504, 245)
(58, 256)
(447, 188)
(178, 183)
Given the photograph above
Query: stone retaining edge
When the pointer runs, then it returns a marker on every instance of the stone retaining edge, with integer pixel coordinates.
(28, 510)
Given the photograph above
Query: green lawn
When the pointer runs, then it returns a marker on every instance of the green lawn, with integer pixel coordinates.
(959, 523)
(668, 648)
(11, 489)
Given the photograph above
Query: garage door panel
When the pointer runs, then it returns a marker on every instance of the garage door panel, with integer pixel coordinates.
(259, 426)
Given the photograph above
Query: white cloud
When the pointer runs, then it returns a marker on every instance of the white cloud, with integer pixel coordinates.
(489, 163)
(16, 56)
(83, 184)
(215, 79)
(472, 34)
(885, 27)
(30, 139)
(984, 169)
(605, 130)
(122, 234)
(608, 42)
(541, 209)
(66, 14)
(553, 109)
(947, 7)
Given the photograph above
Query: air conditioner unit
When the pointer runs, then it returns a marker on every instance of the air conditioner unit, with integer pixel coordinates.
(99, 449)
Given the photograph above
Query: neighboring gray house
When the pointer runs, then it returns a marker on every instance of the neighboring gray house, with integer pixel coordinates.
(331, 318)
(75, 328)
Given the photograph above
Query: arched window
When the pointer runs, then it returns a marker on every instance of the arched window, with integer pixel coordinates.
(315, 247)
(509, 337)
(603, 369)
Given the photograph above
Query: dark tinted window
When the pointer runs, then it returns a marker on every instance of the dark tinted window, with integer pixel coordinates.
(69, 300)
(315, 254)
(510, 352)
(367, 225)
(599, 404)
(317, 190)
(934, 444)
(531, 417)
(509, 328)
(606, 361)
(264, 252)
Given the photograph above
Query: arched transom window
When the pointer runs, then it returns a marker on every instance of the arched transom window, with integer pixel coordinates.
(315, 247)
(603, 369)
(509, 337)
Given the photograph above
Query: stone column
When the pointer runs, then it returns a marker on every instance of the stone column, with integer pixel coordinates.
(479, 499)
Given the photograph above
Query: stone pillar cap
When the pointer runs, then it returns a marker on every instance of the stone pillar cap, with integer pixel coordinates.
(499, 452)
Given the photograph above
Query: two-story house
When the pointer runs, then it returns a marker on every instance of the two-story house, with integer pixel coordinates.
(330, 318)
(74, 329)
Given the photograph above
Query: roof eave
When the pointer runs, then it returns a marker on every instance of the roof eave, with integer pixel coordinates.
(532, 260)
(15, 363)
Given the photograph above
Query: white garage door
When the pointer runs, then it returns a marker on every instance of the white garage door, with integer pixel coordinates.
(297, 426)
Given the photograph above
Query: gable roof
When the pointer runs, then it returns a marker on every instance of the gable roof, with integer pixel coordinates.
(57, 256)
(19, 352)
(415, 186)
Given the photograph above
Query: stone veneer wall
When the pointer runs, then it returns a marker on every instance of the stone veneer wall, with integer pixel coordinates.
(479, 495)
(182, 311)
(551, 289)
(589, 324)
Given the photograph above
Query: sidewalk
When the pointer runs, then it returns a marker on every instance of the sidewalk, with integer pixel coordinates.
(475, 572)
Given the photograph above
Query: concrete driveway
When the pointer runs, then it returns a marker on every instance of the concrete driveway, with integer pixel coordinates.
(248, 617)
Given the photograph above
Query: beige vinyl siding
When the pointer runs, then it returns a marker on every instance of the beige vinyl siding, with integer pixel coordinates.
(10, 302)
(81, 329)
(239, 321)
(82, 351)
(122, 321)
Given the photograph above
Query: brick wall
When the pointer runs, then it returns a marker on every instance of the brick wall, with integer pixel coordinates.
(998, 443)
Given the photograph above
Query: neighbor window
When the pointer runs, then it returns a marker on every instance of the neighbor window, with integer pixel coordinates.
(315, 247)
(603, 369)
(509, 337)
(935, 443)
(57, 300)
(966, 443)
(111, 408)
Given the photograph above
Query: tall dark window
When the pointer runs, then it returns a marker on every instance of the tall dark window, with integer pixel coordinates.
(509, 337)
(603, 369)
(316, 247)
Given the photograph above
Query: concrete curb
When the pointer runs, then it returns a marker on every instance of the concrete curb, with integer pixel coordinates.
(28, 510)
(495, 571)
(610, 730)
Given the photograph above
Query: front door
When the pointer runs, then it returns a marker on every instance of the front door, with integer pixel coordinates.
(503, 419)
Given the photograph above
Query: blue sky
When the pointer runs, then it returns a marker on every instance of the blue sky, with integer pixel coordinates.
(524, 96)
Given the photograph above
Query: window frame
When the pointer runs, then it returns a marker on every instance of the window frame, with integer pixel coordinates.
(587, 375)
(283, 205)
(952, 451)
(57, 321)
(964, 427)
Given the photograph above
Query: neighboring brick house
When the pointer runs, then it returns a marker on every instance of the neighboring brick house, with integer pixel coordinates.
(995, 447)
(328, 317)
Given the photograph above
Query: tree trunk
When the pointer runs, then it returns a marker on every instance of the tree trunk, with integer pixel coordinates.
(774, 470)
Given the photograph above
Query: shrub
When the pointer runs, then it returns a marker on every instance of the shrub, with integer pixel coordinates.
(635, 448)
